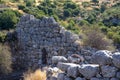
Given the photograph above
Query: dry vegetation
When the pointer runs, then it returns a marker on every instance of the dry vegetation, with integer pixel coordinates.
(37, 75)
(95, 38)
(5, 59)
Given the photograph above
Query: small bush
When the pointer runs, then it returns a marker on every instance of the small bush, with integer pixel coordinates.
(21, 7)
(8, 20)
(95, 38)
(2, 36)
(37, 75)
(5, 59)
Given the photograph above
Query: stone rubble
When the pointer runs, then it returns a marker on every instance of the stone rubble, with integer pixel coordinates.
(92, 71)
(116, 59)
(56, 59)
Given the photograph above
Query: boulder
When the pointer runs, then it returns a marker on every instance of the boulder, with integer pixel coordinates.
(65, 66)
(118, 75)
(98, 75)
(60, 76)
(108, 71)
(56, 59)
(102, 57)
(114, 79)
(94, 78)
(72, 71)
(67, 78)
(53, 78)
(79, 78)
(116, 59)
(89, 70)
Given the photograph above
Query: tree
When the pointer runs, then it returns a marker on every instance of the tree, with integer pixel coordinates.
(8, 19)
(67, 13)
(70, 5)
(103, 8)
(95, 1)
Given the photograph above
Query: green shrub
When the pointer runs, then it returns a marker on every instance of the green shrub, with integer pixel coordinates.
(21, 7)
(5, 59)
(83, 22)
(67, 13)
(8, 19)
(34, 11)
(116, 38)
(2, 36)
(85, 4)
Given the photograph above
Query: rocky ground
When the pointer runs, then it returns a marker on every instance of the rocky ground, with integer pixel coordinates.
(102, 65)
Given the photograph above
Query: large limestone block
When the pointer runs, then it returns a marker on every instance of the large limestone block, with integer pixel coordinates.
(114, 79)
(89, 70)
(116, 59)
(118, 75)
(67, 78)
(72, 71)
(60, 76)
(65, 66)
(56, 59)
(102, 57)
(79, 78)
(94, 78)
(108, 71)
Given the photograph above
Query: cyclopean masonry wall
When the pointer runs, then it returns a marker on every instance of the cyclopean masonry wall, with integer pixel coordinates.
(39, 40)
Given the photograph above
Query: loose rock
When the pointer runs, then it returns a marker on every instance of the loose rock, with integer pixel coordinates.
(79, 78)
(118, 75)
(89, 70)
(56, 59)
(60, 76)
(108, 71)
(102, 57)
(116, 59)
(65, 66)
(72, 71)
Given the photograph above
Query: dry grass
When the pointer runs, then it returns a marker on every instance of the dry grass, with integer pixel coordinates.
(5, 59)
(95, 38)
(37, 75)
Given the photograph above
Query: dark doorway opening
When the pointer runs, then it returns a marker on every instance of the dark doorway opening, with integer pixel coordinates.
(44, 56)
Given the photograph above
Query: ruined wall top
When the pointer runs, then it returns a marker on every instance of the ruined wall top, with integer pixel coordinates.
(35, 34)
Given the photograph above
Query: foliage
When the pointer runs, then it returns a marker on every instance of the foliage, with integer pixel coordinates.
(95, 1)
(67, 13)
(37, 75)
(5, 59)
(103, 8)
(95, 38)
(3, 36)
(21, 7)
(8, 19)
(110, 15)
(114, 33)
(47, 7)
(71, 9)
(85, 4)
(34, 11)
(83, 22)
(29, 2)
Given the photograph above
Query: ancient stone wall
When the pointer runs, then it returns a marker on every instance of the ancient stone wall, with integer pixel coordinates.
(43, 38)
